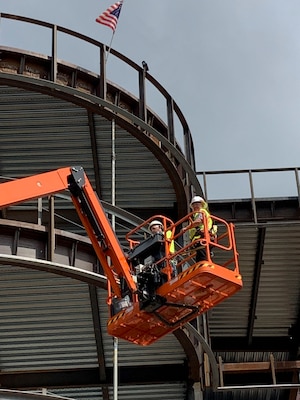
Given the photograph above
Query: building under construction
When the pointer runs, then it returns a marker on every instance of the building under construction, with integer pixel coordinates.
(140, 162)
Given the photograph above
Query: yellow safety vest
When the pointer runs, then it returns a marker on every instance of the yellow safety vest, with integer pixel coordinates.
(197, 231)
(172, 244)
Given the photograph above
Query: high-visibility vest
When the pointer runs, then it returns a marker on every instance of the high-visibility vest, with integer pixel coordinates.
(172, 244)
(197, 231)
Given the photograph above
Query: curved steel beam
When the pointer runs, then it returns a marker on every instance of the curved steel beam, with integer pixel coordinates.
(213, 363)
(89, 277)
(6, 394)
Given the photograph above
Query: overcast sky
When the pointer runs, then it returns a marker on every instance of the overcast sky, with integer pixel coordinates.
(232, 66)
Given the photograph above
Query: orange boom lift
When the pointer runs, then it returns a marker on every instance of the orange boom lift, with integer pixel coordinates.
(157, 286)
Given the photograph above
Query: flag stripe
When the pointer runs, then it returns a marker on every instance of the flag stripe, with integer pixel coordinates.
(110, 16)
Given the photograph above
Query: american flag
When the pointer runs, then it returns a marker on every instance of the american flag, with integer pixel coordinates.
(111, 15)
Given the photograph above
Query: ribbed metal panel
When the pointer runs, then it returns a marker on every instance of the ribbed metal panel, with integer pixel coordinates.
(141, 182)
(251, 394)
(280, 274)
(40, 133)
(152, 392)
(174, 391)
(47, 325)
(45, 321)
(277, 305)
(226, 319)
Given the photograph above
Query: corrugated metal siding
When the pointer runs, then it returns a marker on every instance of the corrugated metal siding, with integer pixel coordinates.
(230, 318)
(40, 133)
(174, 391)
(46, 321)
(278, 297)
(141, 182)
(252, 394)
(47, 325)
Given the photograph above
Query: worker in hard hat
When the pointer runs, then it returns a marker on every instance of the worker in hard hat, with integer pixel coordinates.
(200, 208)
(155, 227)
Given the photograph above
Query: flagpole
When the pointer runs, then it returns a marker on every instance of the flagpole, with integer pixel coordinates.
(115, 339)
(109, 47)
(112, 37)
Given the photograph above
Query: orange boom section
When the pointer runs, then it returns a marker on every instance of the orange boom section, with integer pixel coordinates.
(89, 209)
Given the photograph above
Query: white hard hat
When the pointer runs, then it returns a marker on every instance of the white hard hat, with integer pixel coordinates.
(197, 199)
(155, 222)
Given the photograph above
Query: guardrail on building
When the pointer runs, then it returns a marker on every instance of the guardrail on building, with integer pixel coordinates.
(171, 114)
(253, 184)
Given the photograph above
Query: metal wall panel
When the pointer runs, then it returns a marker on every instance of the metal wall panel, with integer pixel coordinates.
(141, 181)
(40, 133)
(46, 321)
(174, 391)
(277, 306)
(230, 318)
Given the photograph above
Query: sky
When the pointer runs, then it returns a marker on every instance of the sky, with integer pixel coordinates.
(232, 66)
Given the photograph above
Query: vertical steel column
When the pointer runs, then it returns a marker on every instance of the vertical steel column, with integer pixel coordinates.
(51, 233)
(102, 82)
(252, 197)
(170, 113)
(113, 201)
(116, 342)
(142, 95)
(40, 211)
(54, 54)
(205, 186)
(187, 145)
(298, 184)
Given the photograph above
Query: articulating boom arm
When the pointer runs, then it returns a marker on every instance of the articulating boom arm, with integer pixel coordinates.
(160, 284)
(89, 209)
